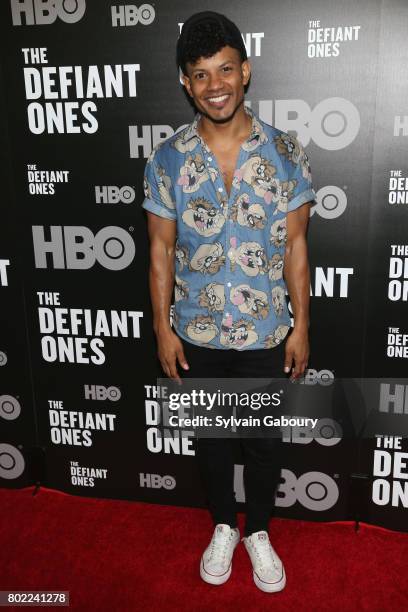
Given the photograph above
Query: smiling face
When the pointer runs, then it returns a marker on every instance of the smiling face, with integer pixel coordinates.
(217, 83)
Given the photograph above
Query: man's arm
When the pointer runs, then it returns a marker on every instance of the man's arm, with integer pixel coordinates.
(297, 277)
(162, 235)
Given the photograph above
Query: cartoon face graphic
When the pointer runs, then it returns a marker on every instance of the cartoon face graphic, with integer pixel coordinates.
(185, 147)
(292, 149)
(278, 299)
(208, 259)
(181, 289)
(193, 174)
(250, 301)
(164, 183)
(273, 194)
(203, 217)
(250, 256)
(276, 267)
(276, 337)
(201, 329)
(237, 334)
(258, 172)
(289, 147)
(278, 232)
(247, 214)
(257, 137)
(181, 256)
(285, 194)
(212, 297)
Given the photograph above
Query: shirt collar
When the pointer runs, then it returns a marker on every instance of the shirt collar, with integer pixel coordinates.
(256, 137)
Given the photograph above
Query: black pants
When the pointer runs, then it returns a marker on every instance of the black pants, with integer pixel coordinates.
(216, 457)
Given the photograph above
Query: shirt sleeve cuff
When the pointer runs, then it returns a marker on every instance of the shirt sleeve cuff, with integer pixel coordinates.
(306, 196)
(158, 210)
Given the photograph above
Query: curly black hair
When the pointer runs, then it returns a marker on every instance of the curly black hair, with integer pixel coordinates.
(204, 34)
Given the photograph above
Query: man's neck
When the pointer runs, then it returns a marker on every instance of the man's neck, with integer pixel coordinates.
(237, 129)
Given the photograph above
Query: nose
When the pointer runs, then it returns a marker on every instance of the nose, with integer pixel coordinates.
(215, 82)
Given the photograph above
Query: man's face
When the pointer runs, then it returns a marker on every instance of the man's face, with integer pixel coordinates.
(217, 83)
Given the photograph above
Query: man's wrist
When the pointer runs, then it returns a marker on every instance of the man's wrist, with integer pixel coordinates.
(301, 327)
(162, 326)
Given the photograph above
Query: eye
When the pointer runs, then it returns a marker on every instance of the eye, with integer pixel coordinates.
(199, 75)
(226, 68)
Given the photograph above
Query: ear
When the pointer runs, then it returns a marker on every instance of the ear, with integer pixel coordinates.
(187, 84)
(246, 71)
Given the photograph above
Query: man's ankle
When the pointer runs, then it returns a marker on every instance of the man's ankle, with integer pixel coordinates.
(249, 532)
(230, 525)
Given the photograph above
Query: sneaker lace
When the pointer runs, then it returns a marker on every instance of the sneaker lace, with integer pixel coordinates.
(264, 554)
(219, 546)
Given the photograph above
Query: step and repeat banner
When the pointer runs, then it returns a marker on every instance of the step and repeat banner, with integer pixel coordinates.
(89, 88)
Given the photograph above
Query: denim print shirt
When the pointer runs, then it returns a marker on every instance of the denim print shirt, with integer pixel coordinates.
(229, 287)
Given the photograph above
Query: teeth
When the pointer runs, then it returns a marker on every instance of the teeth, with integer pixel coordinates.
(219, 99)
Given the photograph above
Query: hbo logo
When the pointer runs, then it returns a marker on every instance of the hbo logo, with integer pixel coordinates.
(327, 432)
(45, 12)
(333, 123)
(154, 481)
(314, 377)
(77, 248)
(100, 393)
(130, 15)
(109, 194)
(314, 490)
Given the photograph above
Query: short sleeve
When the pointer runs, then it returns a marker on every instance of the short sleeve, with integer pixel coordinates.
(158, 189)
(300, 177)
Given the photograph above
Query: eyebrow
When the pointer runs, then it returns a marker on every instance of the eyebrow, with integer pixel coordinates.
(231, 61)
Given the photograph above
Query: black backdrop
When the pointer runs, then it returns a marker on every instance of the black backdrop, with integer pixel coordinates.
(74, 402)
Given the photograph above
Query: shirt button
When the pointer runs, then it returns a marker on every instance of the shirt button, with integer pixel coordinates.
(209, 158)
(228, 285)
(220, 189)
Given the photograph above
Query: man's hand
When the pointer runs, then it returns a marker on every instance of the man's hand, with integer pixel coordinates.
(170, 350)
(296, 350)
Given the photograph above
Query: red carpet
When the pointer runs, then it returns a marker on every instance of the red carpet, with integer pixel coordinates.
(125, 556)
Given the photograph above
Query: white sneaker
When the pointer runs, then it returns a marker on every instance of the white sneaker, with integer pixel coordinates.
(268, 571)
(216, 562)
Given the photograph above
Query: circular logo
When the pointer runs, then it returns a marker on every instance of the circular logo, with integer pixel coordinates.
(331, 202)
(335, 122)
(146, 14)
(113, 393)
(70, 11)
(9, 407)
(12, 462)
(168, 482)
(317, 491)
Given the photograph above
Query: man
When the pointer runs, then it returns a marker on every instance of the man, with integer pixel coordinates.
(228, 204)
